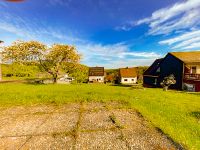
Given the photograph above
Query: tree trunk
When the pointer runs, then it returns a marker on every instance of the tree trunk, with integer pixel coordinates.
(55, 77)
(0, 72)
(165, 88)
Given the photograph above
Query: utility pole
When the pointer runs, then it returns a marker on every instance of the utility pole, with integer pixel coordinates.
(0, 61)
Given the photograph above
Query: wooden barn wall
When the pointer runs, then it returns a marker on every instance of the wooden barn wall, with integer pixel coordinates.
(149, 81)
(172, 65)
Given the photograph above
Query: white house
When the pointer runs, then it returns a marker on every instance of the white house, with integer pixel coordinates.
(128, 75)
(66, 79)
(96, 74)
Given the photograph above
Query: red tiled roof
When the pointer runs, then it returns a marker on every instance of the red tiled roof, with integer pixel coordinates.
(128, 72)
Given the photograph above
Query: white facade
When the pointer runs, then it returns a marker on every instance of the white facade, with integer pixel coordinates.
(65, 79)
(99, 79)
(128, 80)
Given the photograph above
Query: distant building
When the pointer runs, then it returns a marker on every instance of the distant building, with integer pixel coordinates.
(66, 79)
(185, 66)
(96, 74)
(128, 75)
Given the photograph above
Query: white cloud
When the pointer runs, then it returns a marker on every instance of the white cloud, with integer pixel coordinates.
(182, 37)
(184, 41)
(182, 20)
(173, 18)
(94, 54)
(179, 16)
(129, 63)
(114, 55)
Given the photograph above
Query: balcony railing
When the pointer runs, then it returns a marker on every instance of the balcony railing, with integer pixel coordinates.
(192, 76)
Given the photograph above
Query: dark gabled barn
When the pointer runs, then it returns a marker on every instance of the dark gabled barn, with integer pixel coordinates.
(185, 66)
(151, 75)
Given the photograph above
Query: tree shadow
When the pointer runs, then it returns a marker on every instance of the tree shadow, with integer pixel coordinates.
(121, 85)
(195, 114)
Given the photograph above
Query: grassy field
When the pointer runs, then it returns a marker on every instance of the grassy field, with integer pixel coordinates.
(175, 113)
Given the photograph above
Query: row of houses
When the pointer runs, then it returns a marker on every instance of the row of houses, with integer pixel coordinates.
(185, 66)
(126, 75)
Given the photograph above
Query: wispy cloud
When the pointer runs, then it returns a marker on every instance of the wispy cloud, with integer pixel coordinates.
(113, 55)
(181, 20)
(174, 18)
(185, 41)
(3, 4)
(94, 54)
(33, 29)
(59, 2)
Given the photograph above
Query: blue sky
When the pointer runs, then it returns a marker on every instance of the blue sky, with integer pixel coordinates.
(109, 33)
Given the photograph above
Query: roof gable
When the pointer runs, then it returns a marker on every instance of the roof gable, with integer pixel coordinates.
(128, 72)
(153, 68)
(187, 57)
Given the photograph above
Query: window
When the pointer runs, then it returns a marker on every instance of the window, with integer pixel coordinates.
(194, 70)
(155, 83)
(158, 70)
(125, 79)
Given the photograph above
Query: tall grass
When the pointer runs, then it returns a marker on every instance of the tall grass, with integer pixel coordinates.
(176, 113)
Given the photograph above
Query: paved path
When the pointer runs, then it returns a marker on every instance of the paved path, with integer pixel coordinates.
(85, 126)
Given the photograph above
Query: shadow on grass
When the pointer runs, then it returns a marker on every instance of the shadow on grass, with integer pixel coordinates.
(122, 85)
(195, 114)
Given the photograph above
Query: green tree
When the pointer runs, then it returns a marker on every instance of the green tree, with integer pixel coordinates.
(80, 73)
(49, 59)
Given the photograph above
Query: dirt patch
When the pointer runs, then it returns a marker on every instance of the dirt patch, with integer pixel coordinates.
(78, 126)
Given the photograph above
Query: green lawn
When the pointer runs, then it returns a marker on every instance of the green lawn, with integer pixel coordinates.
(176, 113)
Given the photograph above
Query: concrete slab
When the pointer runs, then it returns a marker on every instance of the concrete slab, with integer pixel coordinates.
(40, 109)
(23, 125)
(110, 140)
(94, 106)
(146, 140)
(57, 123)
(51, 127)
(96, 120)
(16, 110)
(128, 118)
(60, 142)
(12, 143)
(70, 107)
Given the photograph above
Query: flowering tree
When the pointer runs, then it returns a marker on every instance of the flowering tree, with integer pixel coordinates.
(50, 60)
(169, 80)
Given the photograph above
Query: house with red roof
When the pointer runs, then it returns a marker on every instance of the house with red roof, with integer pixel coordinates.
(128, 75)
